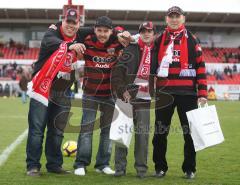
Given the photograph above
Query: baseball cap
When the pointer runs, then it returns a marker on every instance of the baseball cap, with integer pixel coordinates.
(146, 25)
(119, 28)
(104, 21)
(175, 9)
(72, 15)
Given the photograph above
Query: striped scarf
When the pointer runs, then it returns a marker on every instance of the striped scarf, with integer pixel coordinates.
(142, 78)
(166, 52)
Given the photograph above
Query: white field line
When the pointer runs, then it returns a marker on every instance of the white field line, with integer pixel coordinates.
(7, 151)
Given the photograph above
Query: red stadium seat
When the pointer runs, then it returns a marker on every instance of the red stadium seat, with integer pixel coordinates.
(11, 53)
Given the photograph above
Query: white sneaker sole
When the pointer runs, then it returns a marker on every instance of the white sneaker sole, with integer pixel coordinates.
(104, 172)
(81, 173)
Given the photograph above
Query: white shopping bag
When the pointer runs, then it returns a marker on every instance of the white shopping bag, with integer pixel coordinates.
(122, 126)
(205, 127)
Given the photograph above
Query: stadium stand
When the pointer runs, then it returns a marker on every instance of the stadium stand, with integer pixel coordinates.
(221, 55)
(217, 31)
(210, 55)
(12, 53)
(226, 79)
(216, 55)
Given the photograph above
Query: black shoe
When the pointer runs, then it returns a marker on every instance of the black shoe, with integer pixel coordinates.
(160, 174)
(60, 171)
(33, 172)
(119, 173)
(189, 175)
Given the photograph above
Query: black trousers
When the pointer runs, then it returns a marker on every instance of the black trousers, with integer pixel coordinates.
(164, 110)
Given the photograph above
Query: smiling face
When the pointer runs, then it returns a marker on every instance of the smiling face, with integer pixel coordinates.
(70, 28)
(174, 20)
(102, 33)
(147, 36)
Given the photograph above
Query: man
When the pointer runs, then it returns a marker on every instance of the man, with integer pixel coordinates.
(182, 81)
(131, 82)
(57, 40)
(102, 50)
(23, 81)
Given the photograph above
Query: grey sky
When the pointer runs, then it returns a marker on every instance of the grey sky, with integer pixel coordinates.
(229, 6)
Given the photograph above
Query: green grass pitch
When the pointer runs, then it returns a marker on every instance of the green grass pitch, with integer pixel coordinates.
(216, 165)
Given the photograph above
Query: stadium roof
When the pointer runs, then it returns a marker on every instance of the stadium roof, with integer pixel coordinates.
(204, 15)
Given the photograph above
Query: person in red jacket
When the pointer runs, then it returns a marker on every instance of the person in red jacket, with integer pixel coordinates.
(181, 83)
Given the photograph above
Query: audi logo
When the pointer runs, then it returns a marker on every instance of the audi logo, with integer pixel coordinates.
(104, 59)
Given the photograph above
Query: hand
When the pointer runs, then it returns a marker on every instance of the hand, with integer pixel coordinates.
(79, 48)
(135, 38)
(126, 96)
(124, 38)
(202, 101)
(126, 34)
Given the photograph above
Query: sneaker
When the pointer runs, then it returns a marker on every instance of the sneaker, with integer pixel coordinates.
(119, 173)
(189, 175)
(59, 170)
(33, 172)
(107, 170)
(80, 171)
(160, 174)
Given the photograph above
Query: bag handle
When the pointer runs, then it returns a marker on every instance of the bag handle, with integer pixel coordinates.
(202, 106)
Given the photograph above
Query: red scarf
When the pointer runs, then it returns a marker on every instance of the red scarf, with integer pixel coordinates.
(171, 35)
(142, 77)
(71, 56)
(60, 60)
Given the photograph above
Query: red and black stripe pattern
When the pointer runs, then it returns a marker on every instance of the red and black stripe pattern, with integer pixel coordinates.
(99, 60)
(184, 85)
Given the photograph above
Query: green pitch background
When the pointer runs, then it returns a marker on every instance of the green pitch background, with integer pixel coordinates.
(217, 165)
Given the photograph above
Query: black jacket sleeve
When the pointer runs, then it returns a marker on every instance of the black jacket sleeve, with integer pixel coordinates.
(155, 54)
(52, 38)
(83, 32)
(123, 72)
(51, 41)
(119, 74)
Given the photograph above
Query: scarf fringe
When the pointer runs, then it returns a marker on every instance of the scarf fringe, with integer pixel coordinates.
(188, 72)
(35, 95)
(143, 89)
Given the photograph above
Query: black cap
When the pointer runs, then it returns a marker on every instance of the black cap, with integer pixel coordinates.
(146, 25)
(72, 15)
(104, 21)
(175, 9)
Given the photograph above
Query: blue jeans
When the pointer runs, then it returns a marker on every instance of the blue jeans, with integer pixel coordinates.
(24, 97)
(90, 105)
(55, 118)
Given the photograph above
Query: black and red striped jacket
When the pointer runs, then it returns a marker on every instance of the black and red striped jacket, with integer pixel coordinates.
(175, 84)
(99, 60)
